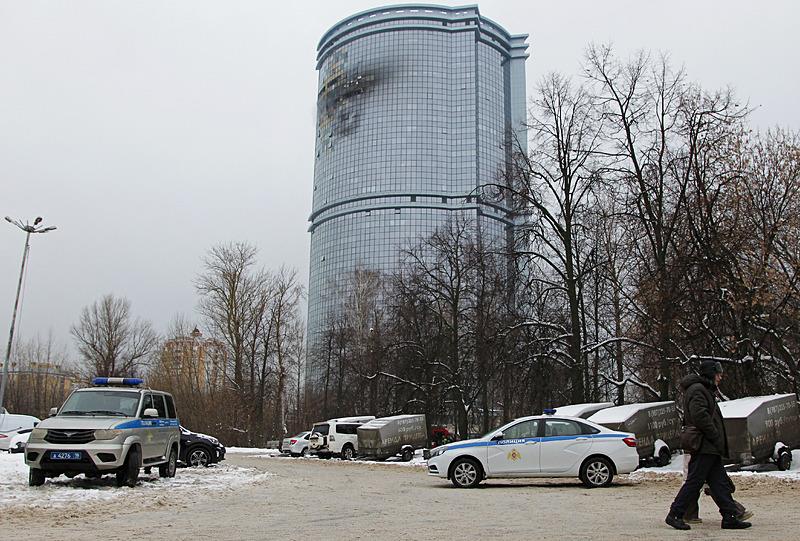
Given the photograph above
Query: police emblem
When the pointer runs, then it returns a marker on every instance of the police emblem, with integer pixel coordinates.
(514, 455)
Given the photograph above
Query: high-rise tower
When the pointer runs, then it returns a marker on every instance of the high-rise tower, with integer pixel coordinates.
(418, 106)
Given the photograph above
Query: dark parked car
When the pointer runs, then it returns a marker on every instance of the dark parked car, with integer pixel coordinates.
(200, 449)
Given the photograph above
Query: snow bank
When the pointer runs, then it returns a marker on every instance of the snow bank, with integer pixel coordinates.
(418, 460)
(742, 407)
(620, 414)
(675, 467)
(63, 491)
(252, 451)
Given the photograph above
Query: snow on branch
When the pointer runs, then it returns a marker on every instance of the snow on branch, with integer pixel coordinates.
(632, 381)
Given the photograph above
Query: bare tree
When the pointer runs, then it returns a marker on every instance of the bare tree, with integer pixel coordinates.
(286, 338)
(658, 128)
(40, 377)
(110, 342)
(555, 186)
(229, 288)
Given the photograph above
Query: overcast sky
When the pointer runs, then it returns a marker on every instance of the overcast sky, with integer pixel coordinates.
(148, 131)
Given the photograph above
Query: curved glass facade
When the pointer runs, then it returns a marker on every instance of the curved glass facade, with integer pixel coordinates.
(417, 107)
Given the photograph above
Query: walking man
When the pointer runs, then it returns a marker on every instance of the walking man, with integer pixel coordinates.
(701, 411)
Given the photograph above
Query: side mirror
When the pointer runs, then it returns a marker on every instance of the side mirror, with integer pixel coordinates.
(499, 436)
(150, 412)
(53, 411)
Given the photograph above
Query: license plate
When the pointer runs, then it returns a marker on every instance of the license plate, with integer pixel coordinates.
(64, 455)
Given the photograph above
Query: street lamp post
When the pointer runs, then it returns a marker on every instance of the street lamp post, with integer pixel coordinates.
(28, 229)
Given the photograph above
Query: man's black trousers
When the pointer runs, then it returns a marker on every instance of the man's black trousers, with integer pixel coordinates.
(703, 469)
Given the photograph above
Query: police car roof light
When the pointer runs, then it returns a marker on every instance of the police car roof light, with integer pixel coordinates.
(549, 411)
(117, 381)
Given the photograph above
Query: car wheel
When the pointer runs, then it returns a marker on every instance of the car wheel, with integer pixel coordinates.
(347, 452)
(784, 461)
(36, 477)
(597, 472)
(408, 454)
(465, 473)
(664, 457)
(304, 452)
(168, 469)
(128, 475)
(198, 456)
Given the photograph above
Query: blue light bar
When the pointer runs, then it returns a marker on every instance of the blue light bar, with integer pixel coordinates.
(117, 381)
(549, 411)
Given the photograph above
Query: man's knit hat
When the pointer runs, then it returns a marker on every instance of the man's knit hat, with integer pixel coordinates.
(708, 369)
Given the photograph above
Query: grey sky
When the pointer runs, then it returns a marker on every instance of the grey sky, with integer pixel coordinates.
(148, 131)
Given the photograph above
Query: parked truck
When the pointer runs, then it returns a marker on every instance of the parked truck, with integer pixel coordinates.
(386, 437)
(762, 429)
(657, 426)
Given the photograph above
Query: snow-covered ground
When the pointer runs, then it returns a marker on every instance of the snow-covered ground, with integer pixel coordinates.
(676, 468)
(60, 491)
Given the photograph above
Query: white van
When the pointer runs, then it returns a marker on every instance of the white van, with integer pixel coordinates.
(336, 437)
(11, 423)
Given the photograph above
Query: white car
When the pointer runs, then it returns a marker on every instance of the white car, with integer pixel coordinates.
(336, 437)
(538, 446)
(19, 441)
(11, 424)
(296, 445)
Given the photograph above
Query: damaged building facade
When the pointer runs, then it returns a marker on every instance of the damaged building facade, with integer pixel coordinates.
(417, 107)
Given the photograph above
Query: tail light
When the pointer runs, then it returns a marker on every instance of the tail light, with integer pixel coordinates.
(3, 436)
(630, 442)
(292, 442)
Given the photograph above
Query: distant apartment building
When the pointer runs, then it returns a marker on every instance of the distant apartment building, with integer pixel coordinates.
(194, 362)
(35, 387)
(418, 106)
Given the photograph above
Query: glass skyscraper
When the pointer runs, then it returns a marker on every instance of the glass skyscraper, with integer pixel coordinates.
(417, 107)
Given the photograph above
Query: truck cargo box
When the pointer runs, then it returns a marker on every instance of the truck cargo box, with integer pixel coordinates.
(650, 421)
(755, 425)
(583, 411)
(390, 436)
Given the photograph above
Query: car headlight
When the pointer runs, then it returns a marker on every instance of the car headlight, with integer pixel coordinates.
(104, 434)
(37, 434)
(437, 451)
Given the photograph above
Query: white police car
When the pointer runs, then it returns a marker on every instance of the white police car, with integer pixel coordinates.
(113, 427)
(538, 446)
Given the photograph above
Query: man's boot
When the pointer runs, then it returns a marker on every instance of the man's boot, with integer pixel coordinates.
(731, 522)
(677, 522)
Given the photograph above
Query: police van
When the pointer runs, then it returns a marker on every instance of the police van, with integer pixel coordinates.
(117, 426)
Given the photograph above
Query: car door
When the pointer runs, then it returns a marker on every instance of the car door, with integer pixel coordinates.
(147, 432)
(164, 430)
(174, 423)
(517, 452)
(563, 446)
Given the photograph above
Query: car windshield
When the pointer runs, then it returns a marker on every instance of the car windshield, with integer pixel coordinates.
(321, 429)
(492, 431)
(101, 403)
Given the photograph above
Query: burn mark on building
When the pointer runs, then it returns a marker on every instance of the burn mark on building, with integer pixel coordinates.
(340, 97)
